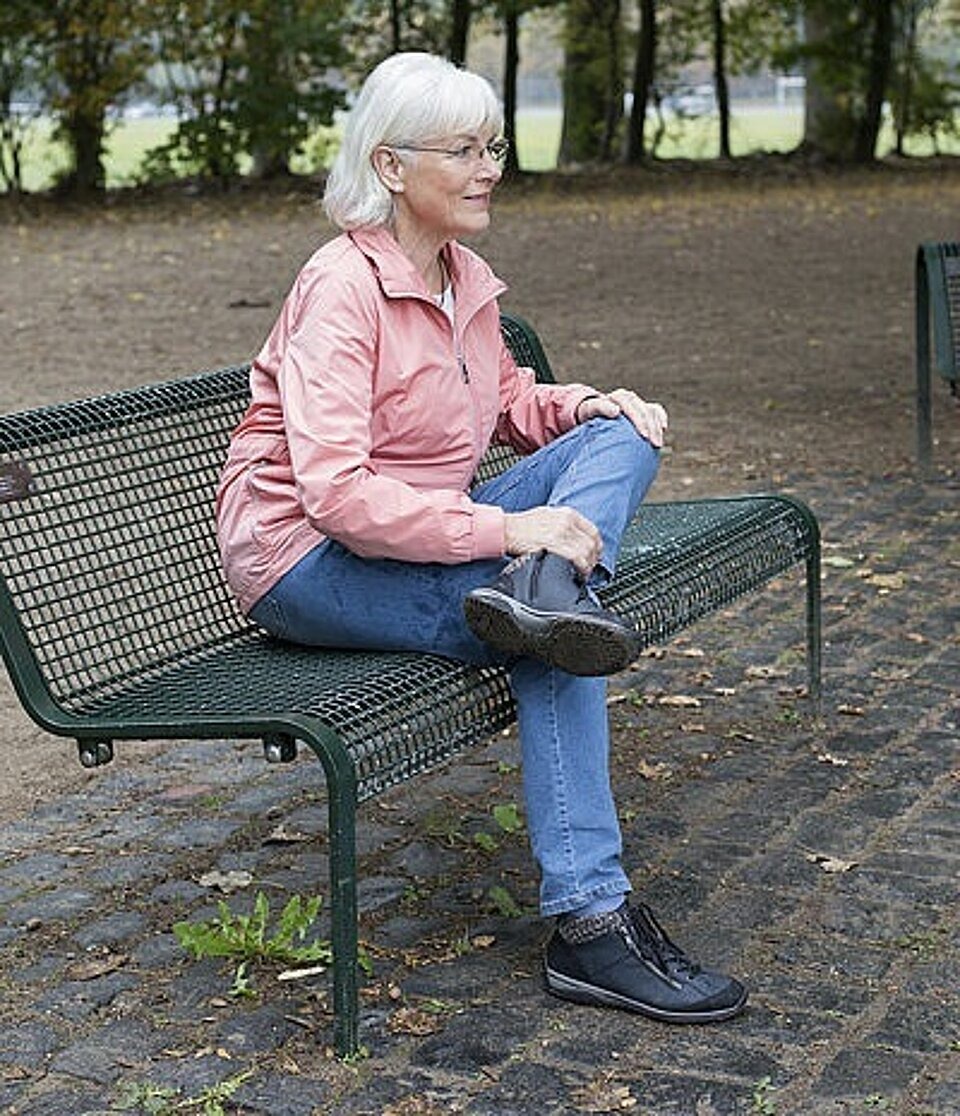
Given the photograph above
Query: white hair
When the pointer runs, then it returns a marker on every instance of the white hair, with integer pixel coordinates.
(409, 98)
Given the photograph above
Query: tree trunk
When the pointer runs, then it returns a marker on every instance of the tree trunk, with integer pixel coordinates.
(644, 71)
(395, 36)
(592, 83)
(720, 75)
(84, 135)
(459, 30)
(878, 77)
(830, 118)
(907, 76)
(511, 65)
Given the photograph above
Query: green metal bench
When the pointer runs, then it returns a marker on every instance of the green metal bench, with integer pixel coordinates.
(117, 622)
(937, 297)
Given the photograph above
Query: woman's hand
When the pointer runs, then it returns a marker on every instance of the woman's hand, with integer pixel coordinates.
(563, 531)
(650, 419)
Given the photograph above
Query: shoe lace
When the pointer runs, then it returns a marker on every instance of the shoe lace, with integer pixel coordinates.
(652, 943)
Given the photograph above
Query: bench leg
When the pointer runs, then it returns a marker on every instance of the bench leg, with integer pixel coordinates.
(922, 340)
(814, 623)
(342, 810)
(343, 913)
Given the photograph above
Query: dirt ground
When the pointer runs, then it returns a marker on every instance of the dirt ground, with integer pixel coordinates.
(771, 312)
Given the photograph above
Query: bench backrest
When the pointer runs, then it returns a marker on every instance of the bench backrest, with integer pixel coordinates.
(108, 556)
(938, 305)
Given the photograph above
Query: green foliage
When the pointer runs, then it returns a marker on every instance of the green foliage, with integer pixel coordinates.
(507, 816)
(763, 1101)
(592, 81)
(925, 96)
(97, 50)
(21, 73)
(154, 1099)
(486, 841)
(503, 902)
(163, 1101)
(248, 79)
(249, 938)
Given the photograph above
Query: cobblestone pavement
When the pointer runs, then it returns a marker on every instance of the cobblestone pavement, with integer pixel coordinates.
(816, 857)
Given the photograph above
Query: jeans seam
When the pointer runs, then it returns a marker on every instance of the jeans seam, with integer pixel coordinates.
(563, 816)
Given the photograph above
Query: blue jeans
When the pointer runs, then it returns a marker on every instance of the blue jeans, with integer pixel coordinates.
(333, 598)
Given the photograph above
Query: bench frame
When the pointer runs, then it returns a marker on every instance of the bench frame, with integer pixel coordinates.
(711, 553)
(937, 305)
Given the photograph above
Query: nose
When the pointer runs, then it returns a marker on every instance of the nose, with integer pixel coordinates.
(489, 168)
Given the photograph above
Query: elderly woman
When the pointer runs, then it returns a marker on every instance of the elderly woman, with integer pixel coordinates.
(347, 518)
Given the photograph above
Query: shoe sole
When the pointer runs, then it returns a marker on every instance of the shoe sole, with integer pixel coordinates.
(578, 645)
(566, 988)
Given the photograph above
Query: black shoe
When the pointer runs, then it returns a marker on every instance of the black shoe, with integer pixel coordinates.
(541, 606)
(625, 960)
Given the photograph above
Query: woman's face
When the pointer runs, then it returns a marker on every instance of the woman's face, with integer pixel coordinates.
(446, 186)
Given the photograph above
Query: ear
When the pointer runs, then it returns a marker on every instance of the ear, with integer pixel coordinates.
(389, 167)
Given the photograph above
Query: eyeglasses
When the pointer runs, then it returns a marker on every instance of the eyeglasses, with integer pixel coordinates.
(466, 153)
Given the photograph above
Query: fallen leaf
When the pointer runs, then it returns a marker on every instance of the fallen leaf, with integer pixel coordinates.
(888, 582)
(94, 967)
(233, 880)
(764, 672)
(831, 864)
(283, 836)
(838, 562)
(680, 701)
(603, 1095)
(653, 770)
(414, 1021)
(826, 757)
(851, 710)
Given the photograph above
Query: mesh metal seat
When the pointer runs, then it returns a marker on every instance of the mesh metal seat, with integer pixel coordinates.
(117, 622)
(937, 303)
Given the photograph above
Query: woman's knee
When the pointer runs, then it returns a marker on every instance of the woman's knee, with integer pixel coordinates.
(621, 433)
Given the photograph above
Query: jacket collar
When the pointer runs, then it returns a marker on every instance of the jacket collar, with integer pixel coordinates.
(475, 283)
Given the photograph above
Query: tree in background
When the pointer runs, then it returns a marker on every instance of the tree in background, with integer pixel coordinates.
(718, 28)
(593, 84)
(96, 51)
(248, 78)
(925, 94)
(644, 74)
(848, 52)
(460, 13)
(22, 82)
(291, 49)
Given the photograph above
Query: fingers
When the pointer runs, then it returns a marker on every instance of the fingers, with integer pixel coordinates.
(650, 419)
(563, 531)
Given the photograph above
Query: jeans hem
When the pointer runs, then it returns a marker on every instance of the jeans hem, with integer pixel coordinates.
(556, 907)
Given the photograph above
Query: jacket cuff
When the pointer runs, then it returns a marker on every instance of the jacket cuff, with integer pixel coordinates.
(489, 527)
(568, 413)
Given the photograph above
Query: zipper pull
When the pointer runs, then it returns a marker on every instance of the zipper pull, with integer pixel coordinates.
(464, 371)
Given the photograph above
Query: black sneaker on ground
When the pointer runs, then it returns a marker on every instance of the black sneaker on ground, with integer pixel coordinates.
(625, 960)
(541, 606)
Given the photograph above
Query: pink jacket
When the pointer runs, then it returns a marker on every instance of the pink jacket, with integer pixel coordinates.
(369, 414)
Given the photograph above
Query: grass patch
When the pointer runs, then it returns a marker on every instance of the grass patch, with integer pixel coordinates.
(754, 128)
